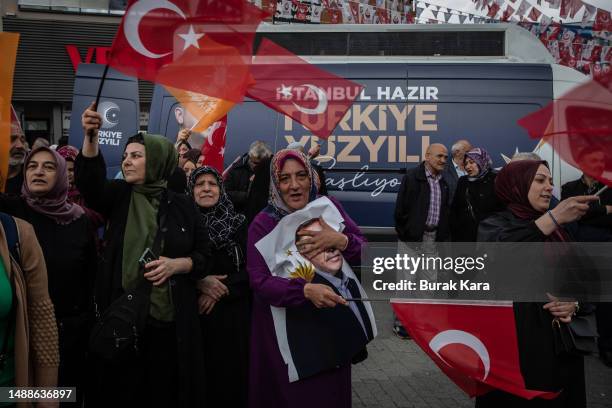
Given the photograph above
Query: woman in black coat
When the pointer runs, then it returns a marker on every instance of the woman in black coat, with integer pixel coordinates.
(67, 239)
(474, 198)
(525, 187)
(225, 296)
(167, 370)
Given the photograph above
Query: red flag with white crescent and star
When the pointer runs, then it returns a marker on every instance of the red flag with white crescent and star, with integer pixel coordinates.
(203, 46)
(286, 83)
(474, 344)
(578, 126)
(213, 148)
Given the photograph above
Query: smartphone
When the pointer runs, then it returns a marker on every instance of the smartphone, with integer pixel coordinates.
(146, 257)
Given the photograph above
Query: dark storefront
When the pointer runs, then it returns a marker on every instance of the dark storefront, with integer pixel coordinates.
(49, 52)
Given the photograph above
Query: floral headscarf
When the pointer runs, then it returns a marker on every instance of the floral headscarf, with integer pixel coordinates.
(276, 204)
(482, 159)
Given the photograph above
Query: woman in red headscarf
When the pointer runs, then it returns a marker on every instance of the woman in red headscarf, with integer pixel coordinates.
(69, 153)
(525, 188)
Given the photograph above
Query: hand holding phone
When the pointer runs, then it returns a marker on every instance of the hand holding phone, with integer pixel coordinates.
(146, 257)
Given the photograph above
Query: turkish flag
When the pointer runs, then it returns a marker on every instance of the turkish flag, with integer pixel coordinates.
(16, 128)
(534, 14)
(213, 148)
(198, 45)
(579, 126)
(603, 21)
(475, 345)
(288, 84)
(493, 9)
(509, 11)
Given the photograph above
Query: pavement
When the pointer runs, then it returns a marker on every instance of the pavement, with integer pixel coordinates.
(398, 374)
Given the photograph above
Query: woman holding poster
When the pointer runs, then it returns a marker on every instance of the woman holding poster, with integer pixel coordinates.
(271, 381)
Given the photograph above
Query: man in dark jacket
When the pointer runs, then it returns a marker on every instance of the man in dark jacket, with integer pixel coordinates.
(239, 178)
(422, 207)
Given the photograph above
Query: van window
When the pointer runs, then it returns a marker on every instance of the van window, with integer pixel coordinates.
(408, 43)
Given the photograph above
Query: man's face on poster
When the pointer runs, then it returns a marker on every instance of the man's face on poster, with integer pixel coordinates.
(330, 260)
(593, 163)
(186, 120)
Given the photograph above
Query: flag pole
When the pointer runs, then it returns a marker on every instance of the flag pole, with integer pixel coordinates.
(98, 95)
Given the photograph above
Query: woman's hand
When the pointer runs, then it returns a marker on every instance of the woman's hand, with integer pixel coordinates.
(560, 310)
(315, 242)
(213, 287)
(183, 135)
(322, 295)
(572, 208)
(205, 304)
(161, 269)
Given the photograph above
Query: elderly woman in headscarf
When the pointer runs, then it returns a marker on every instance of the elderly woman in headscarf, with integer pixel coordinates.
(293, 185)
(66, 237)
(525, 188)
(225, 296)
(475, 198)
(165, 366)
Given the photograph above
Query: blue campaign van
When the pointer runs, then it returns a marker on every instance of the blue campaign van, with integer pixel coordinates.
(423, 84)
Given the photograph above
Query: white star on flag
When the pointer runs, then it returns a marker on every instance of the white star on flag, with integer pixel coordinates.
(191, 38)
(286, 91)
(222, 151)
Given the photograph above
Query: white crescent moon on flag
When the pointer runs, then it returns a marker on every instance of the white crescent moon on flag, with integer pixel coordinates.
(447, 337)
(211, 131)
(132, 23)
(321, 106)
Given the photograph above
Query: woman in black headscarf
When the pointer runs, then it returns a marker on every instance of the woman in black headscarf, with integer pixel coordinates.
(525, 188)
(225, 296)
(165, 366)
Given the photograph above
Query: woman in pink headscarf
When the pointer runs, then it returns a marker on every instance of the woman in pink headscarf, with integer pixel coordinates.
(66, 237)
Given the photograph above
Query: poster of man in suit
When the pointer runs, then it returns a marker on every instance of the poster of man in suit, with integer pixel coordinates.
(313, 340)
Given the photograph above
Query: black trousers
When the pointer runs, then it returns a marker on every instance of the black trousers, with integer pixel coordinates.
(149, 378)
(73, 370)
(603, 314)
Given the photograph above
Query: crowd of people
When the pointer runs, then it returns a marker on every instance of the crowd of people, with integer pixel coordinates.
(172, 303)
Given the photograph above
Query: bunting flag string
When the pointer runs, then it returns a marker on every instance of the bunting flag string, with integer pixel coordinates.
(585, 46)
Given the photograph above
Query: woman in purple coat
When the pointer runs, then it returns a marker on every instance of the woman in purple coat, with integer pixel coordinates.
(293, 185)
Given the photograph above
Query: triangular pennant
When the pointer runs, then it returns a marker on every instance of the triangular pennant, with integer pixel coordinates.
(462, 18)
(589, 14)
(419, 11)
